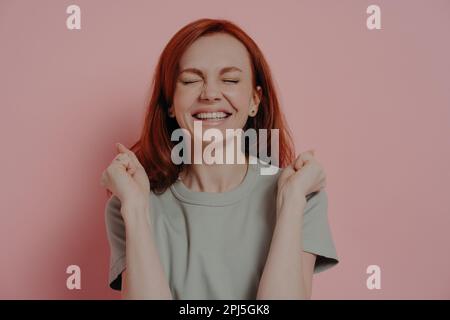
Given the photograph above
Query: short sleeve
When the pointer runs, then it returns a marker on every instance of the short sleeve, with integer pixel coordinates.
(115, 230)
(317, 237)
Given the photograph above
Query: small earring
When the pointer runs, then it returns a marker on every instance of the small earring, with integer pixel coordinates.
(253, 111)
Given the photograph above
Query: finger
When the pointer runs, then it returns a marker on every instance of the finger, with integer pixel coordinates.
(103, 179)
(104, 182)
(120, 147)
(122, 157)
(126, 164)
(303, 158)
(285, 174)
(125, 161)
(299, 162)
(123, 149)
(307, 156)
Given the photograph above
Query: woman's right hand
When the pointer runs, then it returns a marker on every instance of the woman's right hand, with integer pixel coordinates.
(126, 178)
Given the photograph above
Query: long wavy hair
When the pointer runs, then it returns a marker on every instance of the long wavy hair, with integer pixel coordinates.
(153, 149)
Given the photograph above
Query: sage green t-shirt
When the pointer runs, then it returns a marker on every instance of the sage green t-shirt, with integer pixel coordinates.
(215, 245)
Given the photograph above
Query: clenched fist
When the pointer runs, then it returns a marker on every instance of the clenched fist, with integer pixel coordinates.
(126, 178)
(304, 176)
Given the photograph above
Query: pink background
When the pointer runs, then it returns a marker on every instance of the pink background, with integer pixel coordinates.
(374, 104)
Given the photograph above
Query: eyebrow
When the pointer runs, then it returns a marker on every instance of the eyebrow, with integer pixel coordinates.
(199, 72)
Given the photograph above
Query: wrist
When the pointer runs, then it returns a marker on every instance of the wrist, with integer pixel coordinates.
(291, 200)
(134, 210)
(135, 202)
(291, 205)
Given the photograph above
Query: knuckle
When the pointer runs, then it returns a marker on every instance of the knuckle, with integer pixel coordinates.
(103, 179)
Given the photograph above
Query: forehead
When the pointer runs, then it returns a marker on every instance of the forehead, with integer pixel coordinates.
(213, 52)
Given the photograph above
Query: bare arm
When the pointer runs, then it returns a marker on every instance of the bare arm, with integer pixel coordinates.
(288, 270)
(144, 277)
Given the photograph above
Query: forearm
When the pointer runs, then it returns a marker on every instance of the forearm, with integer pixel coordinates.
(145, 277)
(282, 277)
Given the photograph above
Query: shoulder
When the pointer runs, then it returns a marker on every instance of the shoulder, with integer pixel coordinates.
(264, 170)
(265, 176)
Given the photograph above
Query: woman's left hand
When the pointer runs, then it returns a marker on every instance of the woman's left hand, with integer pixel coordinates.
(304, 176)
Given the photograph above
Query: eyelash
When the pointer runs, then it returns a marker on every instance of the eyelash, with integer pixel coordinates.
(188, 82)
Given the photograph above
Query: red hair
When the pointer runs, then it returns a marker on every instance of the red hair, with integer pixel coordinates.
(154, 147)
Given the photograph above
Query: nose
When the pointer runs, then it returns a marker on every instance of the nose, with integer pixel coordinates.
(210, 91)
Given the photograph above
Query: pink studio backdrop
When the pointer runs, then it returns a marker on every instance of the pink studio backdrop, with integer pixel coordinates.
(375, 104)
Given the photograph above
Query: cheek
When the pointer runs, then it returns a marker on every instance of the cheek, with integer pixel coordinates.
(239, 99)
(182, 100)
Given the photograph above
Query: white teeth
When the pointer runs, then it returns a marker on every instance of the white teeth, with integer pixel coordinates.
(211, 115)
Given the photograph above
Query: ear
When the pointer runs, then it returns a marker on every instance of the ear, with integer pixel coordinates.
(255, 101)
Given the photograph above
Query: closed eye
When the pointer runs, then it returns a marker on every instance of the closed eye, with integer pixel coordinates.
(232, 81)
(229, 81)
(188, 82)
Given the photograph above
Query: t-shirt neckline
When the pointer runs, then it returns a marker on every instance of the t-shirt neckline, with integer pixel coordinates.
(217, 199)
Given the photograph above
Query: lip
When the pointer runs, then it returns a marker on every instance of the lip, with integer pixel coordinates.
(210, 122)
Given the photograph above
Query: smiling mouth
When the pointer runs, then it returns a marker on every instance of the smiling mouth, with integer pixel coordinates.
(211, 116)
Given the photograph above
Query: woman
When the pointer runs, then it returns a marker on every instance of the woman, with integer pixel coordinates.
(215, 231)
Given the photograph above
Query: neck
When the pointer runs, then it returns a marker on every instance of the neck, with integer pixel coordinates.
(214, 177)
